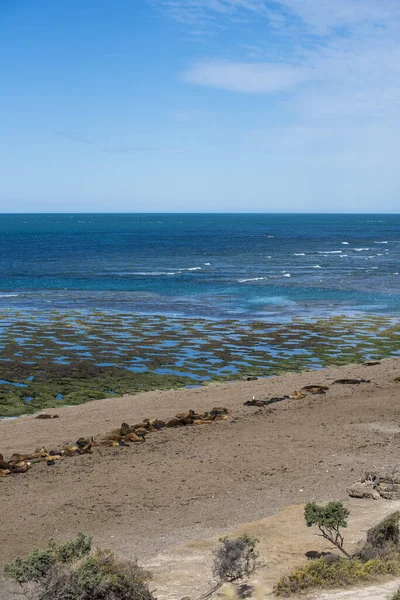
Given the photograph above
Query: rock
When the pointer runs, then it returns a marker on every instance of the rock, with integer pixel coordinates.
(363, 490)
(389, 491)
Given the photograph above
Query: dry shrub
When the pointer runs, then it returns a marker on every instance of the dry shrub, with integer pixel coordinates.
(339, 573)
(235, 559)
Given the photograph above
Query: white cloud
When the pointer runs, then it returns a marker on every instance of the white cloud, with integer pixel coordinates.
(246, 77)
(333, 68)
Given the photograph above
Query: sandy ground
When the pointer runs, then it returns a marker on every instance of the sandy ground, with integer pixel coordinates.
(194, 483)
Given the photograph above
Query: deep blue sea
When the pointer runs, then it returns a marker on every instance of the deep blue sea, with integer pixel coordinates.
(240, 266)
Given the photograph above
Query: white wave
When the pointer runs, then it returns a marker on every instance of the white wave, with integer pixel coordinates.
(316, 267)
(188, 269)
(299, 253)
(286, 275)
(360, 249)
(380, 242)
(207, 264)
(152, 273)
(252, 279)
(331, 252)
(343, 255)
(8, 295)
(346, 243)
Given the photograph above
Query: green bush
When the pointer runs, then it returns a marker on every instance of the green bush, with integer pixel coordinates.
(38, 562)
(383, 539)
(396, 595)
(99, 576)
(339, 572)
(70, 571)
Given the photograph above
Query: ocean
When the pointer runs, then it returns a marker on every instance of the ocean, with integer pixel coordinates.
(238, 266)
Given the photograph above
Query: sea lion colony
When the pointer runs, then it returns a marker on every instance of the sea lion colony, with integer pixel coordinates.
(121, 436)
(128, 434)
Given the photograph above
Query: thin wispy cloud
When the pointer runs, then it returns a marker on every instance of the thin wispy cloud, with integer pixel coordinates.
(247, 77)
(335, 58)
(331, 68)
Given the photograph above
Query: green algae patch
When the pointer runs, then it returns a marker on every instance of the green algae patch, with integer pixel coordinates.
(57, 358)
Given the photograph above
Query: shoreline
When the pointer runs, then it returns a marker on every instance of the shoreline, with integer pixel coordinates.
(195, 482)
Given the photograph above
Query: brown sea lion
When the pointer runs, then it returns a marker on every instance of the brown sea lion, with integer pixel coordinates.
(219, 410)
(140, 431)
(109, 443)
(297, 395)
(4, 472)
(82, 442)
(43, 416)
(3, 465)
(316, 389)
(139, 425)
(173, 423)
(135, 438)
(16, 457)
(20, 467)
(113, 436)
(350, 381)
(124, 429)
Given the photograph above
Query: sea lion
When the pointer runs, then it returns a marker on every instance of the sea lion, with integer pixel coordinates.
(4, 472)
(70, 450)
(316, 389)
(124, 429)
(201, 422)
(133, 437)
(140, 431)
(350, 381)
(173, 423)
(20, 467)
(254, 403)
(219, 410)
(109, 443)
(3, 464)
(82, 442)
(297, 395)
(16, 457)
(139, 425)
(113, 436)
(43, 416)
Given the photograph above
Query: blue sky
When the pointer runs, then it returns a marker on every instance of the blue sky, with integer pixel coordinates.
(200, 105)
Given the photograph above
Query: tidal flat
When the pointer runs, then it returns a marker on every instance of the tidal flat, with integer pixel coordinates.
(56, 358)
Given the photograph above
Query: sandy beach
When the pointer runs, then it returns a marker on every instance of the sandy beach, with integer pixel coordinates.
(197, 481)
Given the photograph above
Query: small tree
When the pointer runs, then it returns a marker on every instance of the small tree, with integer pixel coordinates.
(329, 519)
